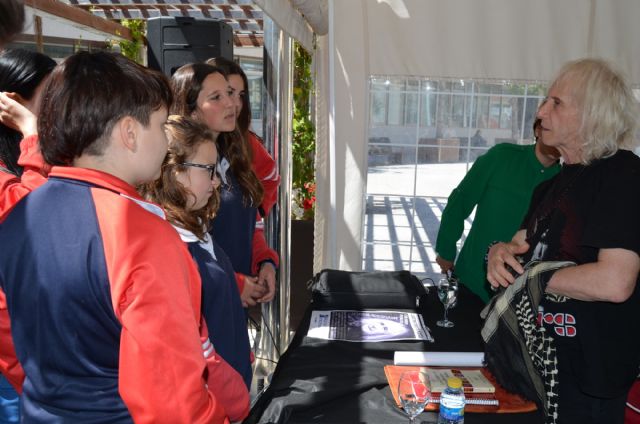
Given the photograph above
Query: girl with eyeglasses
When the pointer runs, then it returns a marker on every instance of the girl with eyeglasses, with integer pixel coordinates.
(203, 92)
(187, 190)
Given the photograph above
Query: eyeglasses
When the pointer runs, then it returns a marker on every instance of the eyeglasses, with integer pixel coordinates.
(213, 169)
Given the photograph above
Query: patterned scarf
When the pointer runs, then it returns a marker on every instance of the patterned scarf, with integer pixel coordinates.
(518, 351)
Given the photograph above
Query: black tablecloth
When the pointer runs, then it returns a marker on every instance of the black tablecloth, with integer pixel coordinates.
(320, 381)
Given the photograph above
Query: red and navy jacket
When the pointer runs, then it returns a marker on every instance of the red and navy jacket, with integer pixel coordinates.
(236, 230)
(238, 227)
(12, 190)
(104, 301)
(221, 305)
(267, 172)
(34, 174)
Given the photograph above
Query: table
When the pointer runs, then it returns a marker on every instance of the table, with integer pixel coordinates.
(321, 381)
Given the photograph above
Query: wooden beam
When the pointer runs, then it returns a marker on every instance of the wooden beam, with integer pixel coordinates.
(37, 21)
(60, 41)
(82, 17)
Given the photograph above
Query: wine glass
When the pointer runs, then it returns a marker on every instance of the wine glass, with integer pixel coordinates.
(413, 391)
(448, 295)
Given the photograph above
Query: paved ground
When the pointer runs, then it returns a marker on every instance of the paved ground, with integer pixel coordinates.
(400, 230)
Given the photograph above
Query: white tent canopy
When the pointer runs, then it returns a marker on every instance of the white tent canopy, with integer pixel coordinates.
(470, 39)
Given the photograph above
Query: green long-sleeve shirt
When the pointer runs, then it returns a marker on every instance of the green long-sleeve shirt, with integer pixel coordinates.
(500, 183)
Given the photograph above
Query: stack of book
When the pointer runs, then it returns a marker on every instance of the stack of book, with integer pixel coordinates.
(478, 390)
(482, 392)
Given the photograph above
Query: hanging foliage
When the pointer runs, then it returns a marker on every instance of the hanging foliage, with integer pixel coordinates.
(304, 141)
(133, 49)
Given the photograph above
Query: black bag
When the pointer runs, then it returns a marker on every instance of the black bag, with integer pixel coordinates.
(358, 290)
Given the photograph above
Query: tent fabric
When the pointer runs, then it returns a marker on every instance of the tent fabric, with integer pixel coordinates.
(289, 19)
(341, 157)
(500, 39)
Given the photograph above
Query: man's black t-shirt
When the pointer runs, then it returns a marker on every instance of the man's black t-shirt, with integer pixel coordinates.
(572, 216)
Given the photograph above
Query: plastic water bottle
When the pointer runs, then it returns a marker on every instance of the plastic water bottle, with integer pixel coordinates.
(452, 403)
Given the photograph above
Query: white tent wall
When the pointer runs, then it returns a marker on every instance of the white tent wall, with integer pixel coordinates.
(471, 39)
(499, 39)
(341, 158)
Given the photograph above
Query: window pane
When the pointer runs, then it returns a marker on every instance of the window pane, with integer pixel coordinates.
(458, 112)
(424, 136)
(428, 109)
(411, 115)
(481, 112)
(378, 108)
(495, 104)
(255, 97)
(530, 117)
(396, 105)
(536, 90)
(506, 112)
(443, 119)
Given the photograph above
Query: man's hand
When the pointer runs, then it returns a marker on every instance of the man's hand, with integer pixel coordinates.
(267, 279)
(445, 265)
(502, 254)
(251, 291)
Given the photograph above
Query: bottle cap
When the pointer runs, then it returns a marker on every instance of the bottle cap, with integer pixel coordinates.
(454, 382)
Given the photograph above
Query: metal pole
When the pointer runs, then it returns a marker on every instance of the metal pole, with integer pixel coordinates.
(278, 113)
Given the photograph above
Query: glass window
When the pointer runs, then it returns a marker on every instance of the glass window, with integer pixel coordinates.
(395, 113)
(253, 69)
(428, 108)
(481, 112)
(458, 111)
(411, 105)
(378, 108)
(506, 112)
(424, 136)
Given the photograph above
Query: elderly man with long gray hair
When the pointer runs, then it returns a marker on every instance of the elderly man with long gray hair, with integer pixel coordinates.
(589, 214)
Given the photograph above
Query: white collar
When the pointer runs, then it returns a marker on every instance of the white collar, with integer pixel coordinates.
(223, 166)
(188, 237)
(150, 207)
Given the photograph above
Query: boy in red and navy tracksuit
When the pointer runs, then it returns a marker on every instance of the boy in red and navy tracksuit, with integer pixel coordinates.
(103, 297)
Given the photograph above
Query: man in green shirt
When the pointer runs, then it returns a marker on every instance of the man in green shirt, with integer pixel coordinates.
(500, 184)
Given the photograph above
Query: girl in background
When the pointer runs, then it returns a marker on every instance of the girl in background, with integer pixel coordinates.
(187, 191)
(23, 75)
(202, 92)
(263, 164)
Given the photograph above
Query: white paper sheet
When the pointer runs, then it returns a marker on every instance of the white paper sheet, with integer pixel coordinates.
(445, 359)
(368, 326)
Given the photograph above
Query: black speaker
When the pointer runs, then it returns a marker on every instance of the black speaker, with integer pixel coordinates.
(176, 41)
